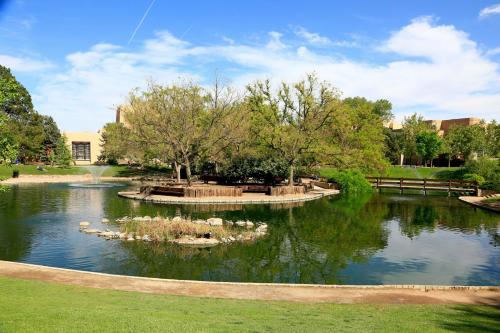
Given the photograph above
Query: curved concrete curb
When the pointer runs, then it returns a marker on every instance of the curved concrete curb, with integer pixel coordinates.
(226, 200)
(476, 201)
(386, 294)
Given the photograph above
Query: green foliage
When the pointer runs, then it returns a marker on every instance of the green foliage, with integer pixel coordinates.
(487, 168)
(474, 178)
(428, 145)
(351, 182)
(9, 149)
(35, 135)
(114, 142)
(413, 126)
(266, 170)
(62, 153)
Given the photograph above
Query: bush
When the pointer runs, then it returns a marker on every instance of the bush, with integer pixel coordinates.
(473, 177)
(351, 182)
(266, 170)
(487, 168)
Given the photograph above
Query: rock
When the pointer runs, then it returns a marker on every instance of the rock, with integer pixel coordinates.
(261, 229)
(196, 242)
(137, 219)
(146, 238)
(107, 234)
(84, 225)
(104, 220)
(215, 221)
(177, 219)
(130, 239)
(240, 223)
(147, 218)
(157, 219)
(122, 235)
(249, 224)
(229, 223)
(231, 239)
(92, 231)
(137, 237)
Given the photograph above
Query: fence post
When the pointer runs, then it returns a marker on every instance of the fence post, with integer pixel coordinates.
(425, 189)
(449, 187)
(400, 185)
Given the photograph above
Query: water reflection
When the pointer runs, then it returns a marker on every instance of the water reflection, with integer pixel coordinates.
(371, 239)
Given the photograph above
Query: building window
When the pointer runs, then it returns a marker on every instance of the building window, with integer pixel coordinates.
(81, 151)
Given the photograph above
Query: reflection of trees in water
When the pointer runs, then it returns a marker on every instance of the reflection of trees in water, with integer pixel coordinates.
(419, 214)
(18, 206)
(305, 245)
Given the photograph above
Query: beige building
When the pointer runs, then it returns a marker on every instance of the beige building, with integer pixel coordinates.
(85, 147)
(443, 126)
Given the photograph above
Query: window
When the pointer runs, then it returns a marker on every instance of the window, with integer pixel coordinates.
(81, 151)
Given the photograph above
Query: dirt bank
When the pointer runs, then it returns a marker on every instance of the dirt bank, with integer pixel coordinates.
(259, 291)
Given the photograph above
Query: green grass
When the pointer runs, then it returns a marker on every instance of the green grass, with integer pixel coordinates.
(491, 200)
(399, 172)
(29, 306)
(6, 171)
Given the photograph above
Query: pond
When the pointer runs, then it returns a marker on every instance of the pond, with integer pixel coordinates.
(374, 239)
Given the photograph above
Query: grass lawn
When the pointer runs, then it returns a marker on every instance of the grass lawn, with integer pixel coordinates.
(6, 171)
(491, 200)
(30, 306)
(399, 172)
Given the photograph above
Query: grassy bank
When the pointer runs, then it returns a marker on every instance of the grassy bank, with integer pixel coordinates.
(111, 171)
(28, 306)
(6, 171)
(399, 172)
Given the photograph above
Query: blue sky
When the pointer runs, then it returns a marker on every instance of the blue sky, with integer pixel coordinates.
(77, 58)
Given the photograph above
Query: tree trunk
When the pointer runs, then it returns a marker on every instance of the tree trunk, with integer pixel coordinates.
(178, 168)
(449, 160)
(188, 171)
(290, 176)
(431, 162)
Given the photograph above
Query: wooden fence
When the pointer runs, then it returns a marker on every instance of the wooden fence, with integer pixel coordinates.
(425, 185)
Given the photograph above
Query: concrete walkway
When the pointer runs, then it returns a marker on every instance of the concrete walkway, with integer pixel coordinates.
(477, 201)
(246, 198)
(408, 294)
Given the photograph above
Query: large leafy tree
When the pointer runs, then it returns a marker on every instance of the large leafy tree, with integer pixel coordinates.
(35, 134)
(9, 149)
(290, 123)
(15, 100)
(412, 126)
(428, 145)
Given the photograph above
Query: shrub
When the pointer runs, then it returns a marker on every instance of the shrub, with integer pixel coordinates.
(487, 168)
(474, 177)
(266, 170)
(351, 182)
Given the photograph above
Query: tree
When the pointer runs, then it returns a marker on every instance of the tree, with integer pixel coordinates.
(428, 145)
(394, 143)
(184, 123)
(466, 140)
(412, 126)
(115, 142)
(291, 122)
(15, 100)
(492, 138)
(355, 137)
(9, 149)
(62, 153)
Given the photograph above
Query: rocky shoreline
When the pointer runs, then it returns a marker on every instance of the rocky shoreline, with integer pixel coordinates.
(178, 230)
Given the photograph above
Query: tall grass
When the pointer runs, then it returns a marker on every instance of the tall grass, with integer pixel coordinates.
(166, 229)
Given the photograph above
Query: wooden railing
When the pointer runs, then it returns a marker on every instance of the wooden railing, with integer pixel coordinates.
(425, 185)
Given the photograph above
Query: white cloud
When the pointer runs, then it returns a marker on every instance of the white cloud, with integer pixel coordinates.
(490, 10)
(439, 72)
(312, 37)
(23, 64)
(275, 42)
(493, 52)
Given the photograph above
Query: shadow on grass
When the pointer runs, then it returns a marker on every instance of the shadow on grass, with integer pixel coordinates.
(144, 172)
(450, 174)
(471, 319)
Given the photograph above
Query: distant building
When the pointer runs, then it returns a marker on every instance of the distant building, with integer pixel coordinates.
(85, 147)
(443, 126)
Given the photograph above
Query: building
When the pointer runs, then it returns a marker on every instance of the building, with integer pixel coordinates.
(85, 147)
(444, 126)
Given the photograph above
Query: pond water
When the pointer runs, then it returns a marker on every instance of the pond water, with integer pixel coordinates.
(377, 239)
